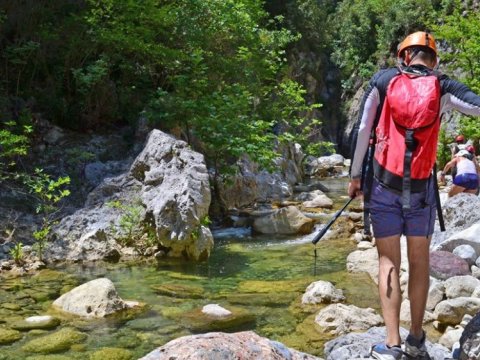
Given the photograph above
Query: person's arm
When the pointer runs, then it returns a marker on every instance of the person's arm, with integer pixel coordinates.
(368, 111)
(447, 167)
(458, 96)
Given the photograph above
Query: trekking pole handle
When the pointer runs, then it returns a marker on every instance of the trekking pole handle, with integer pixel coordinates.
(332, 220)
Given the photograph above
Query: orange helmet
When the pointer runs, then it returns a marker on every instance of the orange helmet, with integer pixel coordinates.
(419, 38)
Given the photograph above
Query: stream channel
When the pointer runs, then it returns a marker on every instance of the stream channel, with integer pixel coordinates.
(260, 278)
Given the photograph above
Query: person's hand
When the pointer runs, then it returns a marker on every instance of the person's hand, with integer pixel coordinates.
(354, 189)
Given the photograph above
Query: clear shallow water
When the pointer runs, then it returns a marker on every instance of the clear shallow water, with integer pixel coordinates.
(261, 277)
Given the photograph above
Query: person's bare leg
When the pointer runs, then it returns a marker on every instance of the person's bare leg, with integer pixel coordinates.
(419, 280)
(472, 191)
(455, 189)
(389, 285)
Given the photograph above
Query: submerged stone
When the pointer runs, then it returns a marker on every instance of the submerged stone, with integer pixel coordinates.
(49, 357)
(112, 354)
(36, 322)
(261, 286)
(8, 336)
(182, 291)
(59, 341)
(198, 321)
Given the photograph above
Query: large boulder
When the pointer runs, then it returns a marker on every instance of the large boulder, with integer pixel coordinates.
(165, 196)
(451, 311)
(339, 319)
(94, 299)
(469, 236)
(460, 212)
(247, 345)
(322, 292)
(288, 220)
(252, 185)
(357, 345)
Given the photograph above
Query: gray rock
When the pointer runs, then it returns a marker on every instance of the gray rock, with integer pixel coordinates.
(459, 286)
(168, 187)
(466, 252)
(218, 345)
(451, 311)
(460, 212)
(320, 292)
(288, 220)
(339, 319)
(357, 345)
(94, 299)
(444, 265)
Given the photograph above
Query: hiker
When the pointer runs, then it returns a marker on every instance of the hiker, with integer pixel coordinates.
(394, 153)
(459, 144)
(466, 179)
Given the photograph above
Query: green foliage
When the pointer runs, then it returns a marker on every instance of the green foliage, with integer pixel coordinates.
(17, 253)
(132, 230)
(366, 32)
(14, 142)
(462, 36)
(469, 127)
(48, 193)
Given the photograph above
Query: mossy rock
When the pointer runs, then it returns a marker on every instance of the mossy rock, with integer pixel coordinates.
(36, 322)
(59, 341)
(11, 306)
(47, 275)
(269, 286)
(148, 324)
(8, 336)
(251, 299)
(197, 321)
(111, 354)
(182, 291)
(49, 357)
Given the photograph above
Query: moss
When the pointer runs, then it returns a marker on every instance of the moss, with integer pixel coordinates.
(8, 336)
(12, 307)
(259, 286)
(49, 357)
(47, 275)
(45, 323)
(111, 354)
(183, 291)
(59, 341)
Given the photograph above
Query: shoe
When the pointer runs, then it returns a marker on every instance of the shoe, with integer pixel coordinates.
(415, 348)
(383, 352)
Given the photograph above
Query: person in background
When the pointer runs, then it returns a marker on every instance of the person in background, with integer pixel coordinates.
(459, 144)
(466, 179)
(417, 56)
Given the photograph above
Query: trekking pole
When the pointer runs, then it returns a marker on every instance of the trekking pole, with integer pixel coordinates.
(326, 227)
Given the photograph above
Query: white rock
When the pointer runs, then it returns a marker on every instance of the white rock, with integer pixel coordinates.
(450, 337)
(459, 286)
(320, 292)
(466, 252)
(94, 299)
(216, 310)
(451, 311)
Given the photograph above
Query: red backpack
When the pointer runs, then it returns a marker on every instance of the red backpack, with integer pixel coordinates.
(407, 133)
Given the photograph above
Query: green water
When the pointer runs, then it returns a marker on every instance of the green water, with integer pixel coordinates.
(260, 278)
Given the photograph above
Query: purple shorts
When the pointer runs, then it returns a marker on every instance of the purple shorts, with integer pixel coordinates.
(468, 181)
(389, 218)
